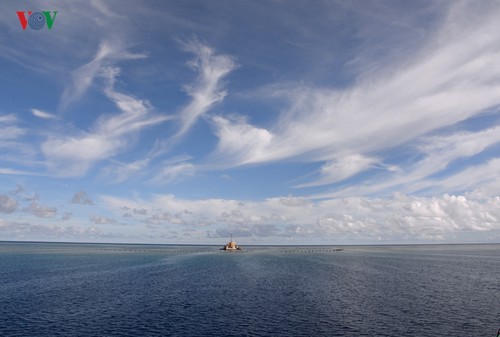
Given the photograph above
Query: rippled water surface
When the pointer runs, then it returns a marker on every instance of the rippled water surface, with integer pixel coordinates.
(134, 290)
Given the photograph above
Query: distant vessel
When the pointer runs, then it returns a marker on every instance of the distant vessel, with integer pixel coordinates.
(231, 245)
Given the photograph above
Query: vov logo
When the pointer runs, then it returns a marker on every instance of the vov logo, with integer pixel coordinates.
(36, 20)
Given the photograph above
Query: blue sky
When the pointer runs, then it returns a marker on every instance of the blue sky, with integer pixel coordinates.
(283, 122)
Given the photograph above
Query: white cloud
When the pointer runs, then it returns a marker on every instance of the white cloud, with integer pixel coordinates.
(410, 104)
(102, 7)
(9, 171)
(42, 114)
(14, 145)
(245, 231)
(7, 204)
(100, 220)
(240, 141)
(83, 77)
(342, 168)
(460, 144)
(400, 218)
(484, 177)
(12, 140)
(120, 172)
(174, 172)
(166, 218)
(41, 211)
(9, 130)
(56, 53)
(28, 231)
(438, 152)
(452, 78)
(141, 211)
(82, 198)
(207, 89)
(441, 151)
(71, 156)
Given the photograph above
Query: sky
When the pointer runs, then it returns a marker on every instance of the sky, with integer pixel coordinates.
(282, 122)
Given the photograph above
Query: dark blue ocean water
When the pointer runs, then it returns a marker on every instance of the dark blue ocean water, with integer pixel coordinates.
(134, 290)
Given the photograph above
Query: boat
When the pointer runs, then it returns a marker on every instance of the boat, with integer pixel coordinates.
(231, 245)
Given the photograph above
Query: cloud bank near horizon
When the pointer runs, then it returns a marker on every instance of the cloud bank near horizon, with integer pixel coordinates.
(373, 137)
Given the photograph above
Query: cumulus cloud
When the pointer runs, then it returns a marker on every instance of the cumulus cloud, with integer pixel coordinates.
(7, 204)
(29, 231)
(400, 218)
(41, 211)
(81, 198)
(166, 218)
(141, 211)
(246, 230)
(19, 190)
(100, 220)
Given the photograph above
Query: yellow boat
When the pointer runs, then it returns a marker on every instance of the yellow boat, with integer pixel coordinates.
(231, 245)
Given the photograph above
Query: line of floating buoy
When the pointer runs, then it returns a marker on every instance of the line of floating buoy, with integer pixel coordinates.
(311, 250)
(184, 251)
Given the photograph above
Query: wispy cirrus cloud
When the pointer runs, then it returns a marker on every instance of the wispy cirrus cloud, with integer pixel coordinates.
(342, 168)
(83, 77)
(42, 114)
(174, 172)
(437, 153)
(240, 143)
(109, 135)
(207, 90)
(9, 130)
(15, 149)
(483, 178)
(11, 139)
(9, 171)
(74, 155)
(453, 77)
(120, 171)
(384, 117)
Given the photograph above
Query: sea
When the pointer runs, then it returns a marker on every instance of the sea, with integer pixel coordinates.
(69, 289)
